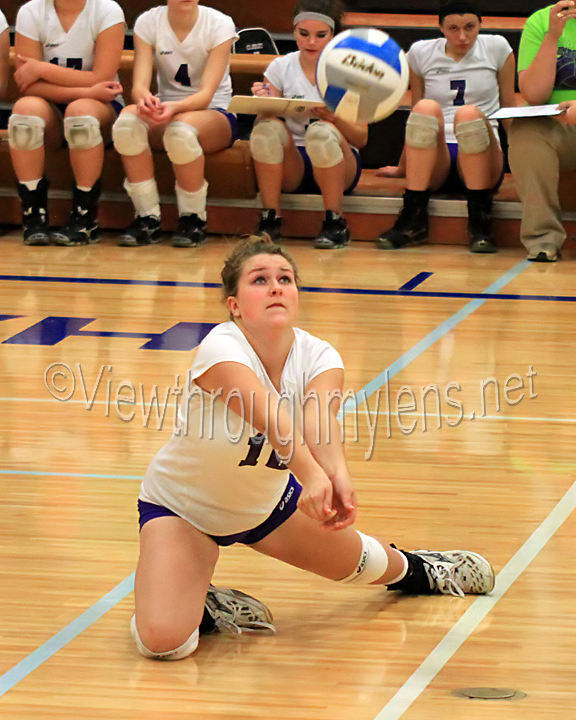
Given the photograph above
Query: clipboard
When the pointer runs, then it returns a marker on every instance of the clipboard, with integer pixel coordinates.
(257, 105)
(526, 111)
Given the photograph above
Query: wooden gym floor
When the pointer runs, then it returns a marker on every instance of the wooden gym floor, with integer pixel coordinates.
(501, 484)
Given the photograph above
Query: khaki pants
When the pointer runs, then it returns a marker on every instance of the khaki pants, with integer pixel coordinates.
(540, 148)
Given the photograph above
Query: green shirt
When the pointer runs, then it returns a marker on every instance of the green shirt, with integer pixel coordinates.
(533, 35)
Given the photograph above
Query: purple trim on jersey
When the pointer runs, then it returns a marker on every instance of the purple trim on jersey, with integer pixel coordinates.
(285, 508)
(309, 186)
(233, 124)
(454, 183)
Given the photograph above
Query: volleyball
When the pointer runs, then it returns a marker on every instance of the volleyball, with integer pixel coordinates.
(362, 75)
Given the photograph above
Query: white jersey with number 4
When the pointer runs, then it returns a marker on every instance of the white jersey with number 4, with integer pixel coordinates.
(39, 21)
(471, 81)
(216, 471)
(180, 65)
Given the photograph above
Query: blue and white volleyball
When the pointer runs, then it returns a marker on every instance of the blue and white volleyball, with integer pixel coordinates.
(362, 75)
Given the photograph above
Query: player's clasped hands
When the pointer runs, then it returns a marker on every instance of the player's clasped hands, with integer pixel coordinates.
(331, 503)
(154, 111)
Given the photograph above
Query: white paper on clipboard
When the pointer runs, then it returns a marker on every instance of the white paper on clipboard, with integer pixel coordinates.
(526, 111)
(258, 105)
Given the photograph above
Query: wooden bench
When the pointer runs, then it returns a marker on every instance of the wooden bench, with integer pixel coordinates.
(233, 204)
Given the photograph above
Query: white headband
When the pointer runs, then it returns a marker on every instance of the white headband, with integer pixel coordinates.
(315, 16)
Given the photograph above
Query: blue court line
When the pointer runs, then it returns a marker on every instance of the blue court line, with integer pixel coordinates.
(416, 280)
(402, 292)
(434, 336)
(33, 661)
(66, 635)
(78, 475)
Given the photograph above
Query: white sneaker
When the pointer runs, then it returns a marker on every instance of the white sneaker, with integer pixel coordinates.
(457, 572)
(543, 252)
(236, 612)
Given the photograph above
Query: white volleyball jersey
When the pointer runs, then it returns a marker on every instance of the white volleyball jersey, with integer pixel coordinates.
(286, 74)
(219, 474)
(471, 81)
(3, 22)
(39, 21)
(180, 65)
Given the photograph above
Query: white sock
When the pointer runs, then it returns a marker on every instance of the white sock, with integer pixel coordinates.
(145, 197)
(402, 574)
(31, 184)
(192, 202)
(83, 189)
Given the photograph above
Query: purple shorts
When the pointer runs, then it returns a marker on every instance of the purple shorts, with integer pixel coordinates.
(285, 508)
(233, 124)
(454, 183)
(309, 186)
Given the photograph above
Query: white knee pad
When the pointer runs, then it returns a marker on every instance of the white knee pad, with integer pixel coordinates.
(25, 132)
(82, 132)
(372, 564)
(181, 143)
(472, 136)
(178, 654)
(323, 145)
(130, 135)
(268, 140)
(422, 131)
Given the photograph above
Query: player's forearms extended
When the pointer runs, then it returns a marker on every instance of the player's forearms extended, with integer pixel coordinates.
(199, 101)
(68, 77)
(56, 93)
(326, 447)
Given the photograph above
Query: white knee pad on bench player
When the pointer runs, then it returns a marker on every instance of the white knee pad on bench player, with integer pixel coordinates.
(268, 140)
(82, 132)
(130, 135)
(372, 564)
(422, 131)
(26, 132)
(178, 654)
(181, 143)
(323, 145)
(472, 136)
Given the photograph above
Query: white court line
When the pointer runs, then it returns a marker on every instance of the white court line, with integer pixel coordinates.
(462, 630)
(349, 413)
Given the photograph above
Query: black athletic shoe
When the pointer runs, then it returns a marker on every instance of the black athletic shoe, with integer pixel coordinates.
(143, 230)
(480, 221)
(191, 231)
(270, 224)
(453, 572)
(82, 228)
(35, 213)
(334, 234)
(411, 226)
(544, 252)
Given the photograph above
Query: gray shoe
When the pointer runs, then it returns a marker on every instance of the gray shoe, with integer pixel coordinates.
(543, 252)
(236, 612)
(457, 572)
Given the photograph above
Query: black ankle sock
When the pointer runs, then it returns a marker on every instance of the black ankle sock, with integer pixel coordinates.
(207, 625)
(415, 582)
